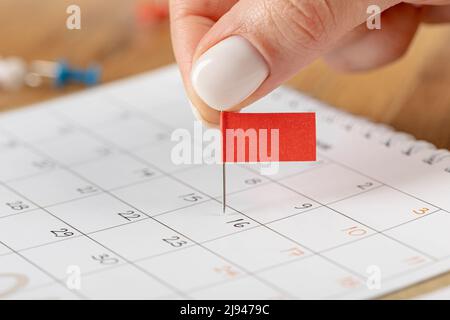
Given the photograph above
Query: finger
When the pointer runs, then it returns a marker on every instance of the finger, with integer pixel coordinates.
(258, 44)
(433, 11)
(364, 49)
(190, 21)
(428, 2)
(436, 14)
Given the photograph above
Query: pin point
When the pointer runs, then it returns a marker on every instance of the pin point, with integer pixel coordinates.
(62, 73)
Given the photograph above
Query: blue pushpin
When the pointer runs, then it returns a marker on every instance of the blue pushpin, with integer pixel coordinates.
(63, 73)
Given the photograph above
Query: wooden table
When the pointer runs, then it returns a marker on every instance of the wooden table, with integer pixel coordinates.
(412, 95)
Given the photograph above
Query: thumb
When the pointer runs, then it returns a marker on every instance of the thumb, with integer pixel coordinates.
(258, 44)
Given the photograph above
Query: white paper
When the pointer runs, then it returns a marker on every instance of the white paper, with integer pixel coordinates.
(91, 206)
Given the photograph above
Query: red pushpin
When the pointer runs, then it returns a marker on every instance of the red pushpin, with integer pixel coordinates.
(152, 12)
(266, 137)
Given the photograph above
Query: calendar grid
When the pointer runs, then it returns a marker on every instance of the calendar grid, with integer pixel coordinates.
(390, 278)
(353, 195)
(329, 256)
(212, 198)
(90, 238)
(367, 226)
(407, 222)
(211, 240)
(215, 284)
(26, 177)
(408, 194)
(55, 279)
(150, 217)
(258, 271)
(130, 109)
(193, 188)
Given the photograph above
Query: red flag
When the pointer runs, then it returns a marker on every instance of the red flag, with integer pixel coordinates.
(268, 137)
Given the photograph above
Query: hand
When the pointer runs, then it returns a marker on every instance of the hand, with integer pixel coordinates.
(233, 52)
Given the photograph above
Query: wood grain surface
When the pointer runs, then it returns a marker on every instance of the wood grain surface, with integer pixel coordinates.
(412, 95)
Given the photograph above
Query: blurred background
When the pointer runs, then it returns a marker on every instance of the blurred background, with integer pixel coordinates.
(412, 95)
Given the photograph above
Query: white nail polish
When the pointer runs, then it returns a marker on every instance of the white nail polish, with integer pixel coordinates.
(228, 73)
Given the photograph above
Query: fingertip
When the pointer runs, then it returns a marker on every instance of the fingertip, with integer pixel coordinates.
(200, 118)
(228, 73)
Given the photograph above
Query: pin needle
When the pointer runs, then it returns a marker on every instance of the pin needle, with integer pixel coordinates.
(223, 188)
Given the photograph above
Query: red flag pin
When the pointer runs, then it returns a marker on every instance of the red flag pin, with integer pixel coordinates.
(266, 137)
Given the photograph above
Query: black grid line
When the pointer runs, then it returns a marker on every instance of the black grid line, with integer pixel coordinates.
(174, 289)
(359, 222)
(56, 280)
(248, 217)
(132, 206)
(170, 175)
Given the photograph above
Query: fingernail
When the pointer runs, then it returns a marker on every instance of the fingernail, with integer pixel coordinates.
(228, 73)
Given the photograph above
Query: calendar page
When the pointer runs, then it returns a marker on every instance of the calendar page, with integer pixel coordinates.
(92, 207)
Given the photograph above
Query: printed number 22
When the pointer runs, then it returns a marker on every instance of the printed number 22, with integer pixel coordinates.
(129, 215)
(62, 233)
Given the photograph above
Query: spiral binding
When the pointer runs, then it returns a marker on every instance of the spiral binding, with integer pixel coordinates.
(407, 144)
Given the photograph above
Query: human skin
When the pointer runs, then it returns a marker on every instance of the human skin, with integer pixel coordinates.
(290, 34)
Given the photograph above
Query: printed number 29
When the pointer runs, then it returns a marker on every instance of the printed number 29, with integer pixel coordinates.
(365, 186)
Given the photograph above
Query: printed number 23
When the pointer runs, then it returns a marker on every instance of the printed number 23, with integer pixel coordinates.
(175, 241)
